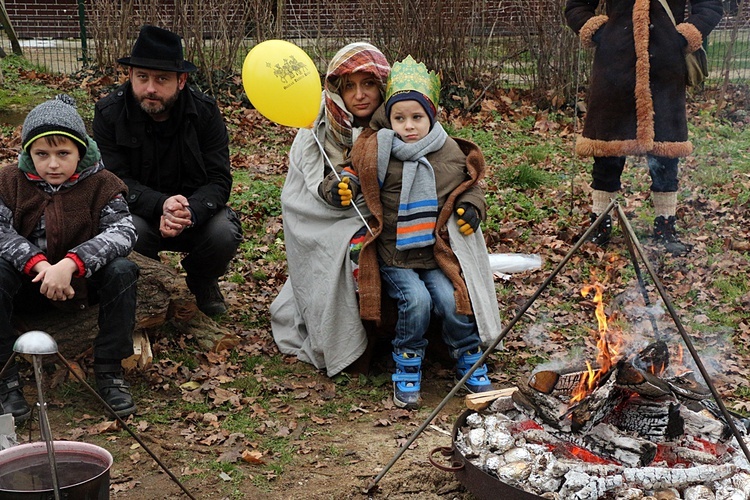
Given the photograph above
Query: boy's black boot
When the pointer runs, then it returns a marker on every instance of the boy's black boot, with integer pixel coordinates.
(603, 233)
(207, 295)
(114, 390)
(11, 395)
(665, 234)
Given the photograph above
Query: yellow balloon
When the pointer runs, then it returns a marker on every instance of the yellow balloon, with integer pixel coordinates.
(282, 83)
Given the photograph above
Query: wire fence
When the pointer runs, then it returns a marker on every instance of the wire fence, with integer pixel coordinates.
(505, 39)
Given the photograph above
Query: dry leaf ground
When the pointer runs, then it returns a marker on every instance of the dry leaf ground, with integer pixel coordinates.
(251, 423)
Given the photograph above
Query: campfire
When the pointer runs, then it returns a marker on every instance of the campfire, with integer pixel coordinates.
(625, 427)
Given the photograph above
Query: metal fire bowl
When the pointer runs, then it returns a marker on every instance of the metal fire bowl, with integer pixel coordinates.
(35, 342)
(482, 485)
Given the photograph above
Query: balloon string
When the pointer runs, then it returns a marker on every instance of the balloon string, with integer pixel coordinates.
(338, 177)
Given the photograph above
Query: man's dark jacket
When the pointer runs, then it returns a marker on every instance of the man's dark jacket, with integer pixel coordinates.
(199, 170)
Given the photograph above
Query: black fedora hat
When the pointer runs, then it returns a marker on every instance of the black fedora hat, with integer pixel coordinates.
(157, 48)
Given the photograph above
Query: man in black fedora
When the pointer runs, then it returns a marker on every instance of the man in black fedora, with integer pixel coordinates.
(169, 144)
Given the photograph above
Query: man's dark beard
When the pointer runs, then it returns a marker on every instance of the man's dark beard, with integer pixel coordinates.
(163, 108)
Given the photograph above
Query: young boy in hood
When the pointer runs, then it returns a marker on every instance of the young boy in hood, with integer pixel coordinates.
(414, 177)
(65, 231)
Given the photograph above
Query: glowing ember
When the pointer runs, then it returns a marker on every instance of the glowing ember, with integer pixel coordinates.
(607, 348)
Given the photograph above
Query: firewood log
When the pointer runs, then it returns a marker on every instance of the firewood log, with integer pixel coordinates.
(654, 419)
(607, 441)
(595, 406)
(560, 383)
(579, 485)
(482, 400)
(652, 478)
(548, 408)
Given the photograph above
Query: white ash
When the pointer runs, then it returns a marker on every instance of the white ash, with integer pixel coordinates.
(581, 486)
(735, 488)
(529, 459)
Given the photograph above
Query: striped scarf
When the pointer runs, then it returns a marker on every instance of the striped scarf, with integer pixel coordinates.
(418, 205)
(354, 58)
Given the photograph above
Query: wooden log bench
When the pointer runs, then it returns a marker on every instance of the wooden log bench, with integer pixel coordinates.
(162, 298)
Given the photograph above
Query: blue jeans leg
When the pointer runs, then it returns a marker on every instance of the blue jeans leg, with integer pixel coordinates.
(414, 305)
(418, 293)
(460, 332)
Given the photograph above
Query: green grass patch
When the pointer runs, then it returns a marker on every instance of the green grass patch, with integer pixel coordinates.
(19, 94)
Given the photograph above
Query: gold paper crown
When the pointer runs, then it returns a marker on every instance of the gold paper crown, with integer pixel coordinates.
(409, 75)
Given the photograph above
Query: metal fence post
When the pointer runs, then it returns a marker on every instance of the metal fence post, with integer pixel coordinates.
(82, 23)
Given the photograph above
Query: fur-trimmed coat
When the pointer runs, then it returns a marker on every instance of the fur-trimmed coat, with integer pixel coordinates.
(364, 157)
(636, 96)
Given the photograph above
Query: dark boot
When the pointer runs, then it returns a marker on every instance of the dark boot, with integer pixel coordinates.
(11, 396)
(207, 295)
(114, 390)
(603, 233)
(665, 234)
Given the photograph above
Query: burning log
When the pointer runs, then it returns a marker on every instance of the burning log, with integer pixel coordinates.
(710, 406)
(685, 386)
(559, 468)
(605, 440)
(629, 376)
(654, 419)
(548, 408)
(652, 478)
(681, 454)
(704, 424)
(597, 405)
(557, 383)
(654, 358)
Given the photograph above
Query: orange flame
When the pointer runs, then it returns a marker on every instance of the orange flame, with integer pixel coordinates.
(607, 350)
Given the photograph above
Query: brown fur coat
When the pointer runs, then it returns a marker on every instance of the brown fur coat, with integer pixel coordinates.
(636, 96)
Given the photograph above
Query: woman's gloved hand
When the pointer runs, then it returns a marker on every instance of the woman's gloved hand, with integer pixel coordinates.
(341, 193)
(468, 218)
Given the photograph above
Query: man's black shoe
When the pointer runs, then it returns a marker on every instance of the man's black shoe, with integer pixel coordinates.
(207, 295)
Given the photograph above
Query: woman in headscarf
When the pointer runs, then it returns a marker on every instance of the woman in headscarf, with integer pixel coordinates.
(316, 315)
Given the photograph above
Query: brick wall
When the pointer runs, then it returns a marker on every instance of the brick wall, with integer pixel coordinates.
(304, 18)
(44, 18)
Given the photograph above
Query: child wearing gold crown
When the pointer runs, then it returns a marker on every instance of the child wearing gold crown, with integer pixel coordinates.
(415, 179)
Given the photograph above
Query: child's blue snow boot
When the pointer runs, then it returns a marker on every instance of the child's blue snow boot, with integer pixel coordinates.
(478, 382)
(406, 380)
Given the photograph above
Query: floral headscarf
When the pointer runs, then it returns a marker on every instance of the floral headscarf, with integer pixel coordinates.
(354, 58)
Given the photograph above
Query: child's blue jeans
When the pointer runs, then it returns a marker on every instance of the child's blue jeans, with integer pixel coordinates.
(419, 293)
